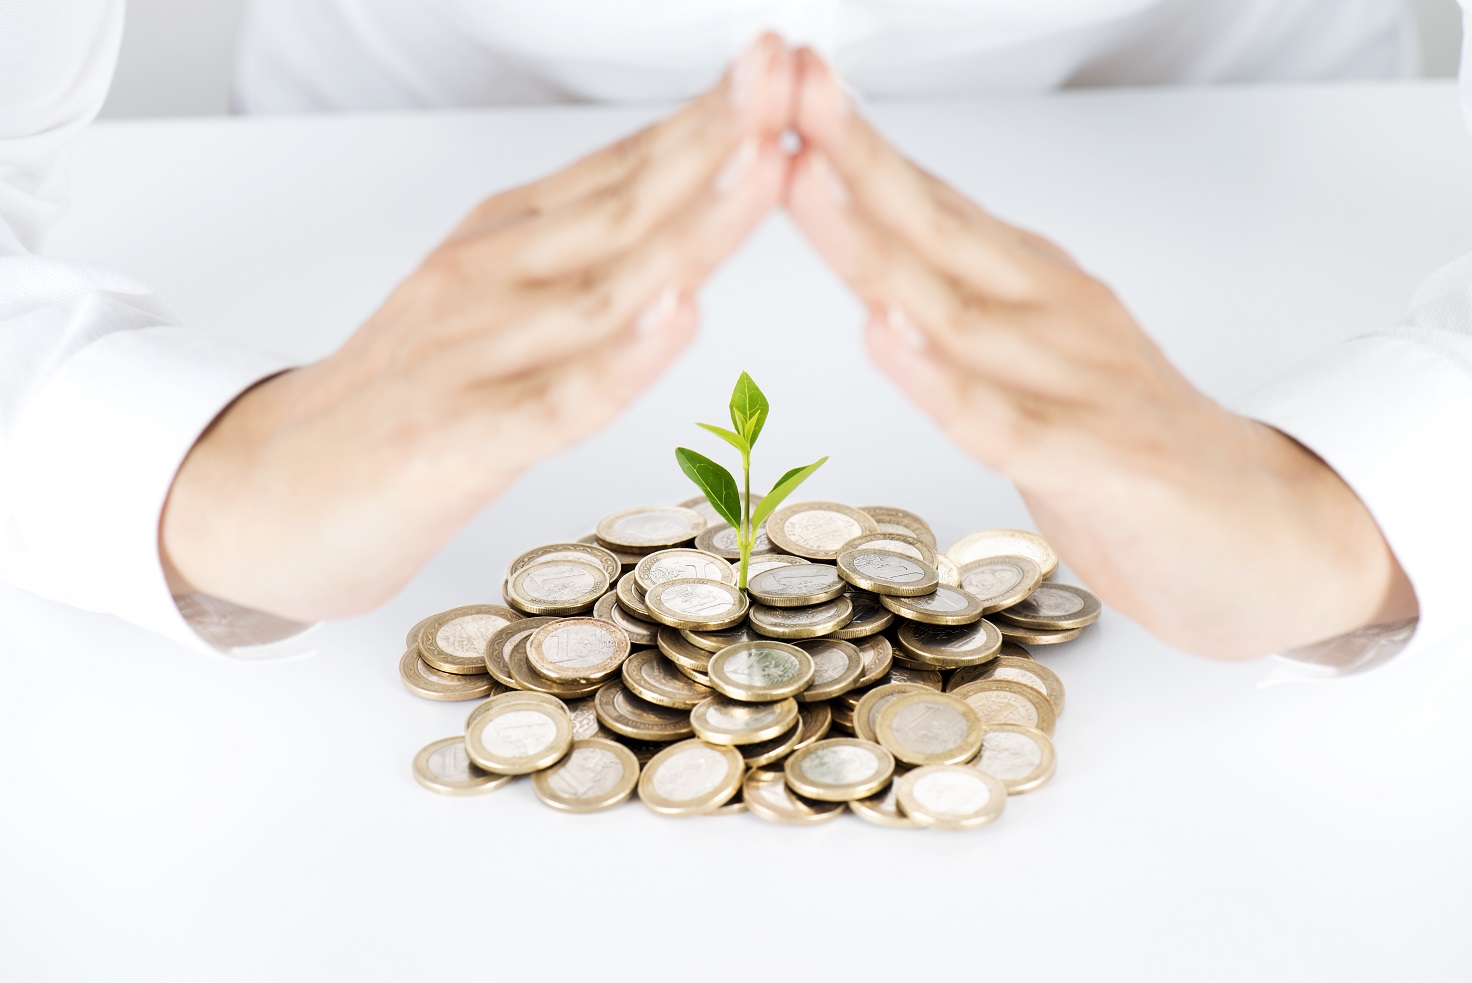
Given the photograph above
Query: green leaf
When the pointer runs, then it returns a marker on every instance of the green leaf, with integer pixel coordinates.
(734, 439)
(715, 481)
(785, 486)
(749, 408)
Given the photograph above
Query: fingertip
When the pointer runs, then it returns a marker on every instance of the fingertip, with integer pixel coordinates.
(820, 103)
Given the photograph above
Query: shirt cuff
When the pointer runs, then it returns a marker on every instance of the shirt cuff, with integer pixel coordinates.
(1392, 416)
(90, 465)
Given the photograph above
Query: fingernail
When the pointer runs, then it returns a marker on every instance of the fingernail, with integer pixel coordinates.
(744, 76)
(733, 171)
(905, 329)
(657, 313)
(827, 175)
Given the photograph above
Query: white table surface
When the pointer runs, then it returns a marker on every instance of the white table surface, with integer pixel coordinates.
(168, 816)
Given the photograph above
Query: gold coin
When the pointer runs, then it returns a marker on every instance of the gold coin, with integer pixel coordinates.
(839, 769)
(641, 631)
(883, 808)
(1000, 581)
(455, 640)
(775, 749)
(808, 622)
(413, 639)
(528, 678)
(585, 722)
(928, 678)
(722, 720)
(1014, 650)
(892, 542)
(837, 666)
(946, 568)
(691, 778)
(929, 729)
(630, 716)
(681, 651)
(796, 585)
(578, 650)
(843, 718)
(869, 617)
(760, 672)
(644, 530)
(650, 676)
(951, 796)
(557, 587)
(704, 605)
(817, 530)
(519, 737)
(595, 775)
(423, 679)
(714, 641)
(631, 597)
(444, 767)
(766, 794)
(1027, 671)
(814, 720)
(1055, 607)
(878, 657)
(580, 552)
(866, 711)
(950, 647)
(891, 519)
(1019, 757)
(1002, 701)
(499, 646)
(682, 564)
(945, 606)
(884, 572)
(1005, 542)
(1035, 636)
(698, 677)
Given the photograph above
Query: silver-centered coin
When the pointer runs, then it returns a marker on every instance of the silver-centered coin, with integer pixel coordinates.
(891, 519)
(1052, 607)
(681, 651)
(1004, 542)
(1025, 670)
(528, 678)
(500, 645)
(703, 605)
(1034, 636)
(691, 778)
(890, 542)
(578, 650)
(722, 720)
(1019, 757)
(951, 796)
(423, 679)
(866, 711)
(1000, 581)
(796, 586)
(929, 729)
(883, 572)
(518, 738)
(883, 808)
(446, 768)
(839, 769)
(580, 552)
(767, 796)
(817, 530)
(649, 675)
(631, 597)
(644, 530)
(809, 622)
(870, 617)
(641, 631)
(455, 640)
(947, 606)
(682, 564)
(878, 657)
(631, 716)
(595, 775)
(722, 541)
(837, 666)
(950, 646)
(1002, 701)
(701, 505)
(761, 564)
(714, 641)
(556, 587)
(761, 671)
(775, 749)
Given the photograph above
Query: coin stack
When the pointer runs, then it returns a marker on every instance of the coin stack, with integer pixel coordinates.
(629, 662)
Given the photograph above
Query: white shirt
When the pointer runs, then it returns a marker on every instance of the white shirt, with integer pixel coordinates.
(102, 394)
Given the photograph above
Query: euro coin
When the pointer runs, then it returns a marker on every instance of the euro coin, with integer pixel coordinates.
(770, 561)
(796, 586)
(517, 738)
(626, 561)
(883, 808)
(839, 769)
(866, 711)
(631, 716)
(929, 729)
(631, 597)
(837, 666)
(691, 778)
(722, 541)
(808, 622)
(1035, 636)
(775, 749)
(1004, 542)
(814, 720)
(423, 679)
(455, 640)
(579, 552)
(893, 542)
(817, 530)
(578, 650)
(701, 506)
(883, 572)
(722, 720)
(890, 519)
(527, 677)
(1027, 671)
(595, 775)
(1054, 607)
(951, 796)
(681, 651)
(928, 678)
(1000, 581)
(869, 616)
(585, 722)
(950, 647)
(556, 587)
(499, 646)
(946, 606)
(766, 794)
(512, 696)
(1019, 757)
(641, 631)
(1002, 701)
(644, 530)
(705, 605)
(878, 656)
(650, 676)
(682, 564)
(760, 672)
(714, 641)
(444, 767)
(413, 639)
(946, 569)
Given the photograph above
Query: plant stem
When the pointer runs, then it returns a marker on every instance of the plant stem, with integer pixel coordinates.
(745, 536)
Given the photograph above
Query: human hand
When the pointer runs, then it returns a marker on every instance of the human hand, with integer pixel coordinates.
(1218, 534)
(320, 492)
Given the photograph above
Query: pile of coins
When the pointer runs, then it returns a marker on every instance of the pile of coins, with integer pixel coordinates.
(630, 662)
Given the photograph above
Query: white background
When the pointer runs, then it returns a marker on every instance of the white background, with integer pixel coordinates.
(177, 54)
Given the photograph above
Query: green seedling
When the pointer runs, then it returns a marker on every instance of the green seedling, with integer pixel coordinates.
(749, 409)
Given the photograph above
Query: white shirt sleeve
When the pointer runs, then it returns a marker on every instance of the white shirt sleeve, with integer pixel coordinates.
(102, 393)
